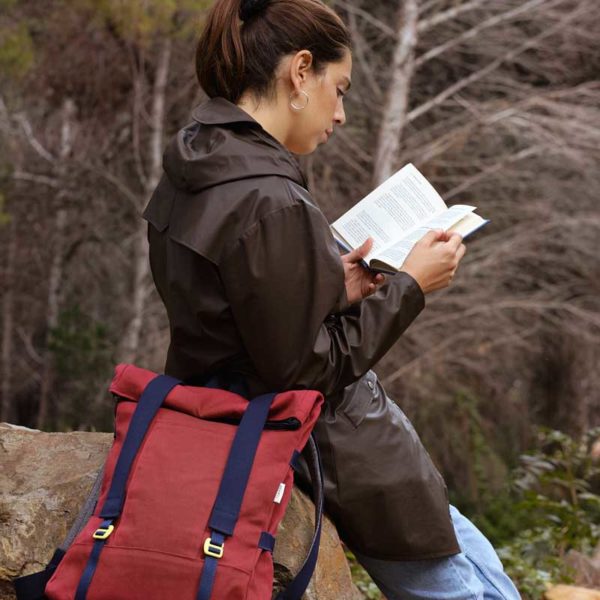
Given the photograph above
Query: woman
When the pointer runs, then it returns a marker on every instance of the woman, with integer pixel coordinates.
(254, 285)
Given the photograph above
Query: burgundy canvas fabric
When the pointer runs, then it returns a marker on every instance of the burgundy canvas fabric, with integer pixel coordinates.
(156, 549)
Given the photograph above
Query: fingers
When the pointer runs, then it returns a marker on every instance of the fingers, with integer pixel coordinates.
(457, 257)
(376, 282)
(364, 248)
(439, 235)
(434, 235)
(444, 236)
(455, 241)
(359, 253)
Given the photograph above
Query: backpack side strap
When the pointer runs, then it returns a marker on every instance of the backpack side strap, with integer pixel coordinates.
(31, 587)
(298, 585)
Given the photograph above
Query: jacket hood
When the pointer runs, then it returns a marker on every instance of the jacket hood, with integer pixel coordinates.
(224, 143)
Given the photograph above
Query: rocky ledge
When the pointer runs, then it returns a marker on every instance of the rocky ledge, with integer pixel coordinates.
(46, 477)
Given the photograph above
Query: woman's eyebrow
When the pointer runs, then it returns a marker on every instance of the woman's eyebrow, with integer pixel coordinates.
(348, 83)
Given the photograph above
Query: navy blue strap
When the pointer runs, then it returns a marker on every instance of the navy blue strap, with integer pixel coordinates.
(239, 464)
(295, 460)
(92, 563)
(228, 502)
(210, 569)
(148, 405)
(150, 401)
(266, 542)
(31, 587)
(298, 585)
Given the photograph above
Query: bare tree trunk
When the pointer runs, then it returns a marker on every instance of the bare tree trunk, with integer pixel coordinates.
(52, 312)
(8, 322)
(141, 267)
(393, 118)
(55, 276)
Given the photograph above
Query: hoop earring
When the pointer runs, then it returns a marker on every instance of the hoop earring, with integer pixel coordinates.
(299, 107)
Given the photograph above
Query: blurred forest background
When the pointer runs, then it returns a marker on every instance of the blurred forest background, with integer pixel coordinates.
(496, 102)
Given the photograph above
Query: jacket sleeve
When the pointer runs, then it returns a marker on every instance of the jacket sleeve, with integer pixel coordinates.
(284, 280)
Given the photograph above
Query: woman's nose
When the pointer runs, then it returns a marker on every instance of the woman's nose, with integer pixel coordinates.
(340, 114)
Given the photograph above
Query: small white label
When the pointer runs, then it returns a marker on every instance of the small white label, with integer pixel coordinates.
(279, 494)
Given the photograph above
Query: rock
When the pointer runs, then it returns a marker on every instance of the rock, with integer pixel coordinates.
(586, 570)
(569, 592)
(46, 477)
(331, 579)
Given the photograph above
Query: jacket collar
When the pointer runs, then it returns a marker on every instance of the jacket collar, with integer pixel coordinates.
(219, 111)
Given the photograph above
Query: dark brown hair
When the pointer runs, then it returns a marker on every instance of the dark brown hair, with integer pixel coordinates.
(233, 56)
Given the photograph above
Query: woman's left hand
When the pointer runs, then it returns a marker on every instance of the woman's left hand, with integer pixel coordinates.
(360, 282)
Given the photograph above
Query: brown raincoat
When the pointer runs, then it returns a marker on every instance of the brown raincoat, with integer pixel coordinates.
(253, 283)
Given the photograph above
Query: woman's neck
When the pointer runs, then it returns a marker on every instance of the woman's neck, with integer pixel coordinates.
(269, 115)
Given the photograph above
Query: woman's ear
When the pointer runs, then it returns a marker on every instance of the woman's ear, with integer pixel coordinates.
(300, 67)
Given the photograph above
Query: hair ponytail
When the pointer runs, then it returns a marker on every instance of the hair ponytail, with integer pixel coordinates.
(220, 51)
(233, 56)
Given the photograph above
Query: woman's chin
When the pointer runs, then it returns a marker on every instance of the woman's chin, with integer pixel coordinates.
(307, 146)
(303, 150)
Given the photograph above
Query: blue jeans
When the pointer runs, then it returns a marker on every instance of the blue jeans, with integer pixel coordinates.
(474, 574)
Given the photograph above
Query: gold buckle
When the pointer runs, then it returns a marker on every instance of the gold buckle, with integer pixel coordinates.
(102, 533)
(212, 549)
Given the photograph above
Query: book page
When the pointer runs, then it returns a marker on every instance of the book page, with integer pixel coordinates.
(396, 254)
(459, 218)
(468, 225)
(450, 217)
(393, 209)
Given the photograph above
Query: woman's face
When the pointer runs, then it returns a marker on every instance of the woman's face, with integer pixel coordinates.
(314, 124)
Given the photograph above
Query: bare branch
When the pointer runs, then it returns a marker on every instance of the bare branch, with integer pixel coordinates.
(21, 118)
(482, 26)
(361, 55)
(451, 342)
(5, 117)
(358, 151)
(452, 13)
(34, 178)
(366, 16)
(157, 116)
(495, 168)
(31, 351)
(393, 118)
(466, 81)
(137, 75)
(126, 191)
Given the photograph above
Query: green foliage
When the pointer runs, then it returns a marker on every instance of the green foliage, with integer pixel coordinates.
(362, 580)
(554, 507)
(483, 461)
(16, 51)
(78, 343)
(82, 352)
(6, 4)
(141, 21)
(4, 214)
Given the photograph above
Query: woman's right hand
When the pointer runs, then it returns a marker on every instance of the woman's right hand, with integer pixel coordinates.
(434, 260)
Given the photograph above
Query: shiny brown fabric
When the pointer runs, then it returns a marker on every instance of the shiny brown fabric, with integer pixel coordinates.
(253, 283)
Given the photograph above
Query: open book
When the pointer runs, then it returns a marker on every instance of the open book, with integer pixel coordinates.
(397, 214)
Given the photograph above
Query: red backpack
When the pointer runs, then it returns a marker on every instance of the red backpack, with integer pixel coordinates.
(193, 490)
